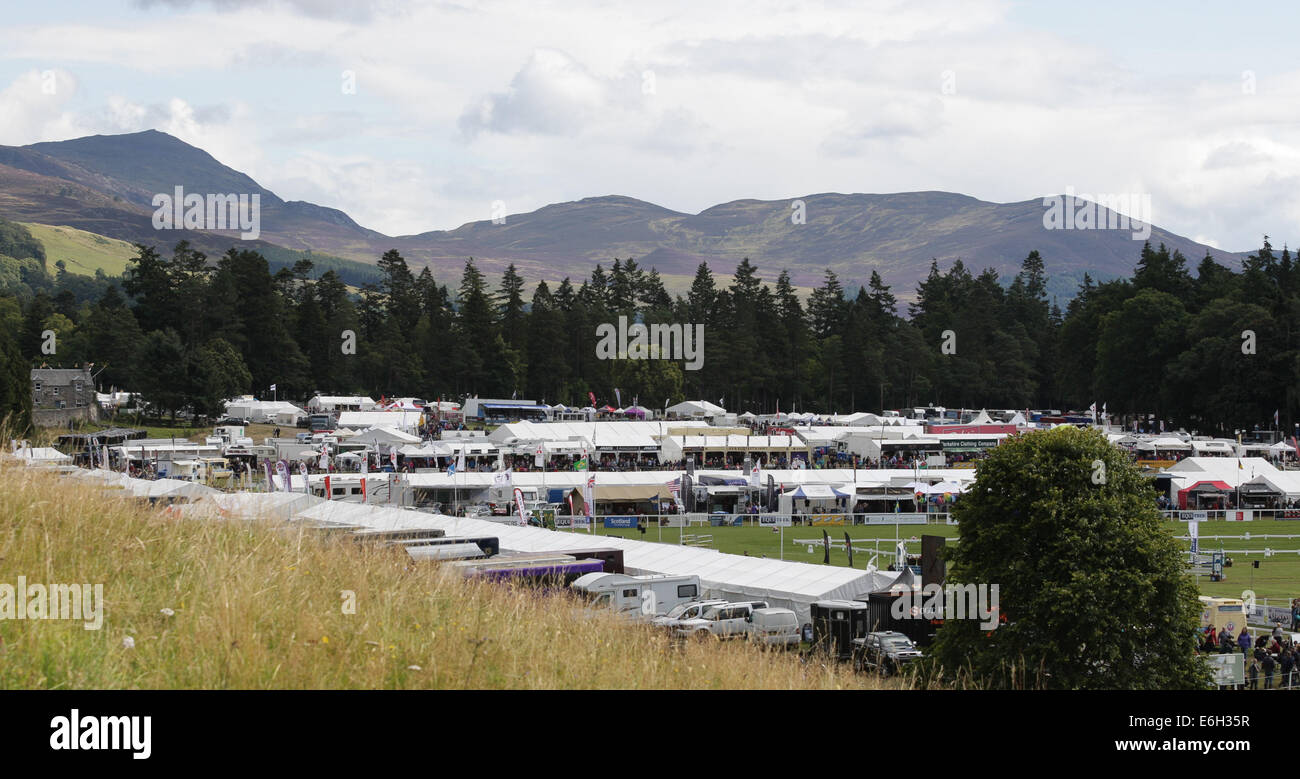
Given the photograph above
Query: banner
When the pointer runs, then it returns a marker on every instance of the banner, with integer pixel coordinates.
(519, 504)
(900, 518)
(282, 468)
(329, 494)
(1193, 530)
(539, 457)
(302, 471)
(589, 499)
(774, 520)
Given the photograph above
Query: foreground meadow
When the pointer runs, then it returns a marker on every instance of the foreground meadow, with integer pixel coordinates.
(201, 604)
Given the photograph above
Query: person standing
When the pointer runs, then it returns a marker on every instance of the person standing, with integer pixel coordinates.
(1269, 665)
(1244, 643)
(1287, 666)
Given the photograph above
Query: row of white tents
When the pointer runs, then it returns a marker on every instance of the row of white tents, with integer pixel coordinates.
(783, 583)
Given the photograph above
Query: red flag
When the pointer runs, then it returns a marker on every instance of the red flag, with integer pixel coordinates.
(592, 395)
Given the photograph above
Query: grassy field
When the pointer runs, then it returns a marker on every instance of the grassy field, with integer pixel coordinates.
(252, 605)
(1278, 576)
(83, 252)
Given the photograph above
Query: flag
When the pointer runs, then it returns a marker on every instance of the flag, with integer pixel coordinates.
(1275, 419)
(589, 501)
(324, 459)
(592, 395)
(675, 487)
(460, 460)
(502, 479)
(1093, 410)
(720, 403)
(392, 456)
(756, 475)
(451, 468)
(273, 388)
(581, 464)
(539, 457)
(302, 471)
(618, 396)
(519, 504)
(901, 555)
(365, 463)
(282, 468)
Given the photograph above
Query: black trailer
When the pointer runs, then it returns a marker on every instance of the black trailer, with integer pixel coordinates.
(835, 624)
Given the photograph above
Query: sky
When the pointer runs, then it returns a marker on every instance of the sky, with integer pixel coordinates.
(421, 116)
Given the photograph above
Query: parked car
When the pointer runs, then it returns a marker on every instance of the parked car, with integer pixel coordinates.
(886, 652)
(725, 620)
(774, 627)
(684, 611)
(236, 421)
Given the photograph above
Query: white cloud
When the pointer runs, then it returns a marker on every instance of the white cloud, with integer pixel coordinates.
(35, 107)
(458, 105)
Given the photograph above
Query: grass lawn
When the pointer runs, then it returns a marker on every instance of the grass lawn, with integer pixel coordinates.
(187, 432)
(83, 252)
(1278, 576)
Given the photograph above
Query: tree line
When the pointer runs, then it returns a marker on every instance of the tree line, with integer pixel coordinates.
(1211, 351)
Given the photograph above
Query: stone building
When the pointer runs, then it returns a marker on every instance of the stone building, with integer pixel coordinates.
(63, 395)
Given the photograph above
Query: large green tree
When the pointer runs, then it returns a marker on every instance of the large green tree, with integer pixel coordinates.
(1094, 590)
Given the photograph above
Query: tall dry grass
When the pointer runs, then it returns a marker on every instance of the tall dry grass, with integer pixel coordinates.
(261, 605)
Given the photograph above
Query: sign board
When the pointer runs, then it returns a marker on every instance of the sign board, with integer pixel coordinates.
(1194, 516)
(774, 520)
(1227, 670)
(826, 519)
(620, 522)
(900, 518)
(970, 429)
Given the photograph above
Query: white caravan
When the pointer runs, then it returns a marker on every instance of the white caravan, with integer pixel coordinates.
(637, 596)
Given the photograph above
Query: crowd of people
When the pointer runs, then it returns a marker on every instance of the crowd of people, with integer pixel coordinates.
(1268, 657)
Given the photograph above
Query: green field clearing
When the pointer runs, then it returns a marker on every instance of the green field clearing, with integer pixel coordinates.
(1278, 576)
(83, 252)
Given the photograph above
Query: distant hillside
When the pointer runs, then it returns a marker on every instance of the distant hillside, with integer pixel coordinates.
(105, 185)
(82, 252)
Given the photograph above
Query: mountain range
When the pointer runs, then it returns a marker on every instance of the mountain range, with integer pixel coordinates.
(105, 184)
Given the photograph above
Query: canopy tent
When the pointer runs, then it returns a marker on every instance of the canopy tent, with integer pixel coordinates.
(280, 412)
(695, 408)
(250, 505)
(41, 455)
(1166, 443)
(386, 436)
(621, 493)
(396, 420)
(815, 492)
(981, 418)
(1203, 488)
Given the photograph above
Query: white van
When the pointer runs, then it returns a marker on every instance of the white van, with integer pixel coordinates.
(725, 620)
(774, 627)
(682, 612)
(637, 596)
